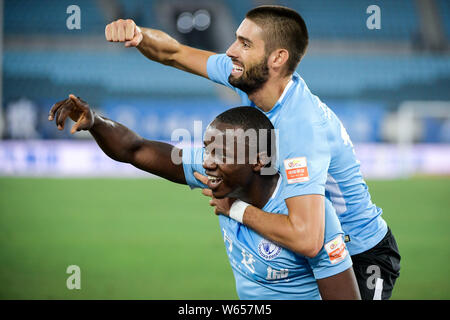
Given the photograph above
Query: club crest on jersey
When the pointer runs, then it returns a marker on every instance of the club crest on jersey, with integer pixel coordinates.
(268, 250)
(296, 170)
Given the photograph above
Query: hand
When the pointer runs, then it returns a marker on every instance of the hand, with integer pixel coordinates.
(124, 31)
(75, 108)
(221, 206)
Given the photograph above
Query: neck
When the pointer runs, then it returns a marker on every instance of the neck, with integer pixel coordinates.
(260, 190)
(267, 96)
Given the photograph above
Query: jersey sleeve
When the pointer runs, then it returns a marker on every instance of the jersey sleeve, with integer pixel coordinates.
(334, 257)
(219, 68)
(303, 154)
(192, 162)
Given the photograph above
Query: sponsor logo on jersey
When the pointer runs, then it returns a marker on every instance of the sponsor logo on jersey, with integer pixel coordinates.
(336, 250)
(268, 250)
(296, 170)
(273, 274)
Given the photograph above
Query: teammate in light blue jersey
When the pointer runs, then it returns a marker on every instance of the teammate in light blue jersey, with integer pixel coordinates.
(311, 132)
(262, 269)
(316, 157)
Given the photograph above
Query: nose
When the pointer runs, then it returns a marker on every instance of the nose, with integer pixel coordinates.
(209, 162)
(231, 51)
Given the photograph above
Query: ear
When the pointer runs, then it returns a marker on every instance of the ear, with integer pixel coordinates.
(262, 160)
(278, 59)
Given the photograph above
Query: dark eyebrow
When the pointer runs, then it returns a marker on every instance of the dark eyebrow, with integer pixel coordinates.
(241, 38)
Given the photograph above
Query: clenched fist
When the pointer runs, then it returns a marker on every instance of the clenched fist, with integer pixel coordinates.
(124, 31)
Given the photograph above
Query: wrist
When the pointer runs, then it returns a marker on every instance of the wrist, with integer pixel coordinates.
(141, 33)
(237, 210)
(97, 120)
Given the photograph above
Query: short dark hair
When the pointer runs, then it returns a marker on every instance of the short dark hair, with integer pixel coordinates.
(245, 118)
(250, 118)
(283, 28)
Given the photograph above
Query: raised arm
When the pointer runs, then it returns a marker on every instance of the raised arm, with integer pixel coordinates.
(158, 46)
(120, 143)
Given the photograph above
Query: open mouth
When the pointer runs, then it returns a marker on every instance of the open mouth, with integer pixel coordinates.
(213, 182)
(237, 70)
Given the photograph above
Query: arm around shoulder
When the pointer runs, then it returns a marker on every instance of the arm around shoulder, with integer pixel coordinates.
(301, 231)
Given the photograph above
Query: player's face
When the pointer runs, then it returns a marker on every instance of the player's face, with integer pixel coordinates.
(250, 69)
(226, 161)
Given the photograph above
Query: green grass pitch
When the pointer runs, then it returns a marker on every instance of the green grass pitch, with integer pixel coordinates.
(152, 239)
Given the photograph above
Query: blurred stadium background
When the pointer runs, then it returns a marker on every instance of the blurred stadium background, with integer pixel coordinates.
(62, 202)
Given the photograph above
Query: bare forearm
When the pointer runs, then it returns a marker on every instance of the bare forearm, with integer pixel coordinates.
(158, 46)
(117, 141)
(280, 229)
(122, 144)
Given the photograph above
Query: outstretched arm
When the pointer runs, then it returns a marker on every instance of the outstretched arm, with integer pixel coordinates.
(119, 142)
(158, 46)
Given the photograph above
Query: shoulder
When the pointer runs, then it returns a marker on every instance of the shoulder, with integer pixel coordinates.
(219, 62)
(303, 105)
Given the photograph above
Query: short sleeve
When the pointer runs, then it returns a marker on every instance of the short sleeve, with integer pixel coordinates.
(304, 156)
(219, 68)
(192, 162)
(334, 257)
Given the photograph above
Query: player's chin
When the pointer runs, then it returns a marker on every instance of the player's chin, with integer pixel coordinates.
(220, 193)
(236, 75)
(234, 78)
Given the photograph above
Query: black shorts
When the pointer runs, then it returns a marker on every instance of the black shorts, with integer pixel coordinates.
(377, 269)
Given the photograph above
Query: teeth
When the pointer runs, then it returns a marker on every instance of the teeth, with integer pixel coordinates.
(213, 179)
(237, 68)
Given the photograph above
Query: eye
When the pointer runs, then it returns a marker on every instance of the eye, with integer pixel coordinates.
(245, 44)
(209, 153)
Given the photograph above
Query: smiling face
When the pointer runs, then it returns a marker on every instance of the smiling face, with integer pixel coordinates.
(250, 69)
(229, 162)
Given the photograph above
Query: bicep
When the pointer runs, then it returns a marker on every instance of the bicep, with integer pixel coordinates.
(192, 60)
(161, 159)
(308, 212)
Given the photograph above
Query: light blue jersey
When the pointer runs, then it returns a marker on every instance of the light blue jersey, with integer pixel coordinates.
(264, 270)
(316, 156)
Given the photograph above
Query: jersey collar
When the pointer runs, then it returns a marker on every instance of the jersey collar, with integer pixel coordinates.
(276, 188)
(286, 89)
(275, 192)
(284, 96)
